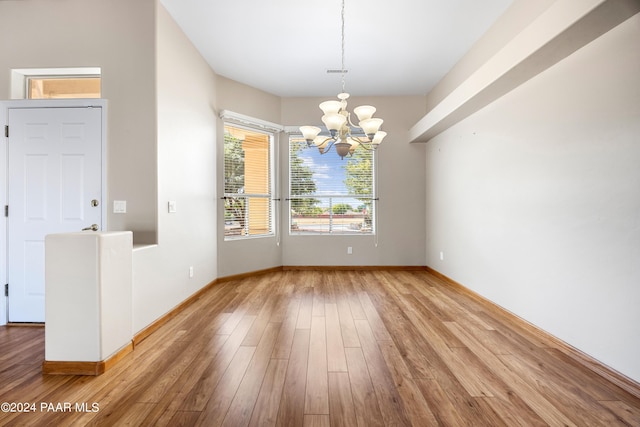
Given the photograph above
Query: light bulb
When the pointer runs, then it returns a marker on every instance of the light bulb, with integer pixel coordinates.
(364, 112)
(378, 137)
(330, 107)
(309, 132)
(371, 126)
(334, 121)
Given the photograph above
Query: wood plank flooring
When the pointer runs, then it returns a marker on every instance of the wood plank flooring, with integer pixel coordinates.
(322, 348)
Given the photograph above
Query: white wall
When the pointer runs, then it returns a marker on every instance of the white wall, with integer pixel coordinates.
(95, 33)
(187, 126)
(401, 177)
(534, 200)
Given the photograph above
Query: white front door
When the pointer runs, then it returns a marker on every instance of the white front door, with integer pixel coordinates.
(54, 186)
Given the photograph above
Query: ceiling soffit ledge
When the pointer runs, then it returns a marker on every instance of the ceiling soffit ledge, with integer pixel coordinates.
(562, 29)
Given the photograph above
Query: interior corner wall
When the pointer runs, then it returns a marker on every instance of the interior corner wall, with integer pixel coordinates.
(400, 188)
(533, 201)
(118, 36)
(252, 254)
(187, 124)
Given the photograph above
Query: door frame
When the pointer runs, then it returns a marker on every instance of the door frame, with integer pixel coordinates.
(5, 106)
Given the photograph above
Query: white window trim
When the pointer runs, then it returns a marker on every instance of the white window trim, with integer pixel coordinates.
(294, 131)
(19, 76)
(250, 123)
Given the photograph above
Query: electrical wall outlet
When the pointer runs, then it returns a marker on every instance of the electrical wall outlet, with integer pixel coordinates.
(441, 256)
(190, 272)
(349, 250)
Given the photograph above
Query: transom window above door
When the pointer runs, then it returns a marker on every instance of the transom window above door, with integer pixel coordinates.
(56, 83)
(54, 87)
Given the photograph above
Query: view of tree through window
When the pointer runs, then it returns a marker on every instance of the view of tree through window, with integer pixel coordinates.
(247, 183)
(327, 194)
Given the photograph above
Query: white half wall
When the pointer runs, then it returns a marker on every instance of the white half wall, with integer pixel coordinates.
(534, 201)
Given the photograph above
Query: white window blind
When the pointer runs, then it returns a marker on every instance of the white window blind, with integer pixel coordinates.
(330, 195)
(248, 205)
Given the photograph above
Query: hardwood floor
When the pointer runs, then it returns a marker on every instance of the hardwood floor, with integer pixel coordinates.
(323, 348)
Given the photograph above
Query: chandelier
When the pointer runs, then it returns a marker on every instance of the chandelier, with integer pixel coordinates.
(337, 119)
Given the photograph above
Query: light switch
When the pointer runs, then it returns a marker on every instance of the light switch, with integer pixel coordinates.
(119, 206)
(172, 206)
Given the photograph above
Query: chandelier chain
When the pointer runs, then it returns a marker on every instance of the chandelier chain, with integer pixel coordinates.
(342, 70)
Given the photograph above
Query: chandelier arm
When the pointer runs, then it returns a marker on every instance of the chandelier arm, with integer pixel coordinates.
(350, 122)
(361, 141)
(326, 140)
(327, 148)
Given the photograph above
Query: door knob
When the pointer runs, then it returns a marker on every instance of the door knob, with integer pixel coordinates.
(94, 227)
(94, 203)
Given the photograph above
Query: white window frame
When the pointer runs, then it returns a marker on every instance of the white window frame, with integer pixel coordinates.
(294, 134)
(241, 121)
(20, 77)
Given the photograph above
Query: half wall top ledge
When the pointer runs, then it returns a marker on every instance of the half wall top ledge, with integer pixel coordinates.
(565, 27)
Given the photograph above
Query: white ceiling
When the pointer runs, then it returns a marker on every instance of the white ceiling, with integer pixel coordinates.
(285, 47)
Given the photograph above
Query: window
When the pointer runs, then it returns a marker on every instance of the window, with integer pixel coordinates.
(248, 205)
(56, 83)
(329, 195)
(59, 87)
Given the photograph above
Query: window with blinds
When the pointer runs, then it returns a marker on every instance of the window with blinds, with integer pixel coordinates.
(248, 206)
(329, 195)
